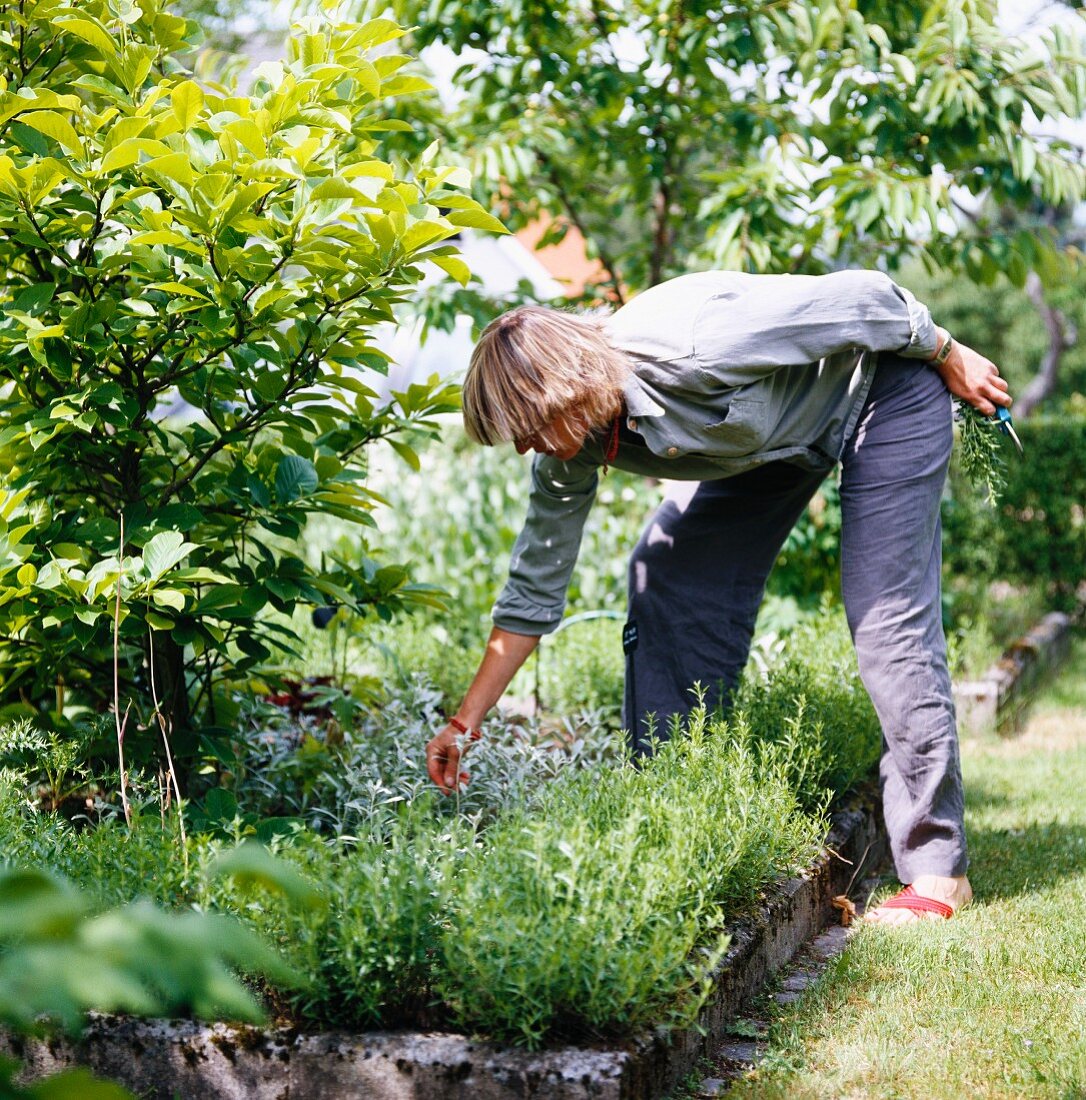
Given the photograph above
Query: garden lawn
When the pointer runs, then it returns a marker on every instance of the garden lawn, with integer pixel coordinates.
(993, 1003)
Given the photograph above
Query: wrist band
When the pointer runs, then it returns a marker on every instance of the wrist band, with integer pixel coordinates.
(943, 354)
(464, 729)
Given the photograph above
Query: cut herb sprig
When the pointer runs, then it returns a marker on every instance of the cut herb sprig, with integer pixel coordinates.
(979, 452)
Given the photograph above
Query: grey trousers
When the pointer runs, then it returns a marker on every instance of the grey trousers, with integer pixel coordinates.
(698, 574)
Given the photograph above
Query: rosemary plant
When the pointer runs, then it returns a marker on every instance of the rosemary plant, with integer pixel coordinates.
(979, 452)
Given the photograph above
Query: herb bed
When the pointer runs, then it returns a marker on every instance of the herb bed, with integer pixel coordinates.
(597, 908)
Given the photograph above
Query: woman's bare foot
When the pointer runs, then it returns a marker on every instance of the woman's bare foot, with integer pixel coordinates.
(955, 892)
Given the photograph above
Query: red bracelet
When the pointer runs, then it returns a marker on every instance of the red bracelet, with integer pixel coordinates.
(462, 728)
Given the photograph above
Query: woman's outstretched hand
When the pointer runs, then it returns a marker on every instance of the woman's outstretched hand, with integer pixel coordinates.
(443, 756)
(975, 379)
(505, 653)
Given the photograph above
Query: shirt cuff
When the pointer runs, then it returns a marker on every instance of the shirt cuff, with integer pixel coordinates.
(924, 339)
(516, 612)
(531, 627)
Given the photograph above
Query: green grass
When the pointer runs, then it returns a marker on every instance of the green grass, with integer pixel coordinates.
(992, 1004)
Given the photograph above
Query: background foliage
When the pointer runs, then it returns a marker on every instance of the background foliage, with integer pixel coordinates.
(771, 137)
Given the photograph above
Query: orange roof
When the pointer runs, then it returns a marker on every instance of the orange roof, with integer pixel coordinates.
(567, 261)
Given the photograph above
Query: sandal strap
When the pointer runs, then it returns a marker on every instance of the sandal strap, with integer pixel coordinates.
(910, 899)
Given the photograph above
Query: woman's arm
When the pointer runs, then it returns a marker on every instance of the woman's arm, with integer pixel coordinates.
(530, 604)
(759, 323)
(505, 653)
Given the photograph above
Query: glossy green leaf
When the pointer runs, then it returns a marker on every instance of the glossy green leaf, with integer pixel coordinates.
(294, 477)
(165, 550)
(54, 126)
(89, 31)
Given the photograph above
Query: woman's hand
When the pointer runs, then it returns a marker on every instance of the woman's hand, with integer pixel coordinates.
(505, 653)
(443, 756)
(974, 379)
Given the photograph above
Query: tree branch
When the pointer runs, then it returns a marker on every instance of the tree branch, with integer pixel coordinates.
(551, 173)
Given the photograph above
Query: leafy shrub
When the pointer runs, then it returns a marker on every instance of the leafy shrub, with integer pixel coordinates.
(193, 277)
(60, 957)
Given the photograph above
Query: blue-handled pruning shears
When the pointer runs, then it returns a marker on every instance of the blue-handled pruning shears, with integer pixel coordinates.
(1006, 425)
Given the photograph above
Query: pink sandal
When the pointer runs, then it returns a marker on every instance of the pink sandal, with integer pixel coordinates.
(910, 899)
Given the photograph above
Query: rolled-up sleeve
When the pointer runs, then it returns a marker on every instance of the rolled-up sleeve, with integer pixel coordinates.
(534, 597)
(762, 322)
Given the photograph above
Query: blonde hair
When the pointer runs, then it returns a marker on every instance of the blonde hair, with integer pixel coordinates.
(531, 364)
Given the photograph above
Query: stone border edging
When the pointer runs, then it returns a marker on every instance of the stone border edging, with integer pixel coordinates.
(999, 699)
(164, 1059)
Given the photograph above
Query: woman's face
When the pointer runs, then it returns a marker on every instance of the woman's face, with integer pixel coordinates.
(561, 437)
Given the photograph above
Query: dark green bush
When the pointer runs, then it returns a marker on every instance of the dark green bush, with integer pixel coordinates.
(1036, 536)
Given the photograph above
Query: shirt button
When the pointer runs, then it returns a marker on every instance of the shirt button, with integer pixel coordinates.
(672, 452)
(631, 424)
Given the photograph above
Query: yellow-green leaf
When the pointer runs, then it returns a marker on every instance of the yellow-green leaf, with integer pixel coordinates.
(169, 597)
(368, 77)
(406, 453)
(476, 219)
(374, 32)
(453, 266)
(123, 155)
(164, 236)
(56, 127)
(27, 574)
(333, 188)
(249, 134)
(186, 102)
(421, 234)
(376, 168)
(177, 288)
(90, 31)
(175, 167)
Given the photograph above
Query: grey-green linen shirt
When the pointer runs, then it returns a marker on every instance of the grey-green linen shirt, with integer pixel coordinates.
(730, 370)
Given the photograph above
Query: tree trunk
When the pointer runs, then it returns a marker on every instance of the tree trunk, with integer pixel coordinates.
(1061, 336)
(170, 687)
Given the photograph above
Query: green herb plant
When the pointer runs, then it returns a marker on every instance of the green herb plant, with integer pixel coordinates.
(566, 891)
(603, 909)
(979, 456)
